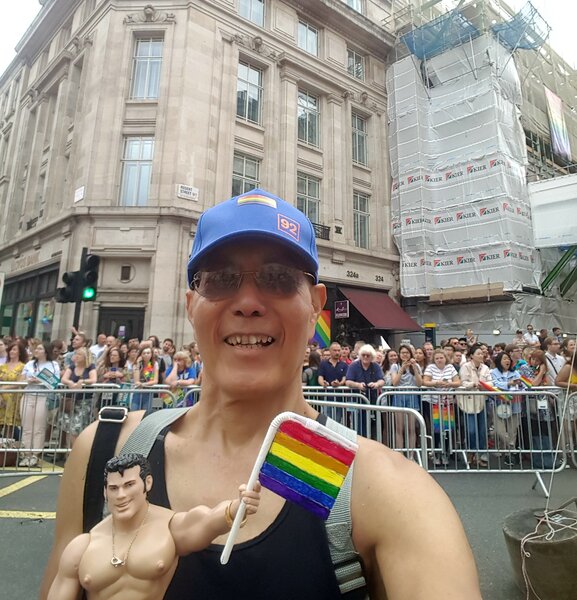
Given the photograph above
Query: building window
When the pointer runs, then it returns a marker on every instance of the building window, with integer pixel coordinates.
(308, 118)
(355, 4)
(308, 196)
(136, 171)
(249, 93)
(253, 10)
(308, 38)
(245, 174)
(361, 218)
(356, 64)
(146, 65)
(359, 140)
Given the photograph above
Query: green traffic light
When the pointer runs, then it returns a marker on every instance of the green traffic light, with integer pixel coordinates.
(88, 293)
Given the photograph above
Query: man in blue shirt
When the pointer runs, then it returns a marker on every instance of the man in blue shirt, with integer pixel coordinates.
(332, 373)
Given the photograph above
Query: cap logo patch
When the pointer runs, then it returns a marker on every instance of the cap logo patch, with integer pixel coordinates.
(289, 226)
(256, 199)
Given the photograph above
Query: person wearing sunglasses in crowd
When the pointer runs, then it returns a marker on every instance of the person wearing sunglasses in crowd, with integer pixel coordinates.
(253, 301)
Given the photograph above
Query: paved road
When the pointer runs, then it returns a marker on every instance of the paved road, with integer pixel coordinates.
(482, 499)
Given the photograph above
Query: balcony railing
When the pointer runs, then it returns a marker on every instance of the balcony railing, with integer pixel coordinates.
(323, 232)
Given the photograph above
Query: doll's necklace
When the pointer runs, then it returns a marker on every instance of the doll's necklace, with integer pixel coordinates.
(119, 562)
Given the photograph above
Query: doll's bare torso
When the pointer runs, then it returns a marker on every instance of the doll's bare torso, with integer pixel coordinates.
(148, 568)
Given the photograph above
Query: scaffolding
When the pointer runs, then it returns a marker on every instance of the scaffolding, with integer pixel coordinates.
(459, 200)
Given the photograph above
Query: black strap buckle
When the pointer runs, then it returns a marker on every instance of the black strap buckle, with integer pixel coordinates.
(113, 414)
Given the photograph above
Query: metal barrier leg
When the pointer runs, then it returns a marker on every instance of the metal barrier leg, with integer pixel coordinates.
(539, 480)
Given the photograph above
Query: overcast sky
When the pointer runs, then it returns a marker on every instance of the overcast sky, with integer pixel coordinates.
(560, 14)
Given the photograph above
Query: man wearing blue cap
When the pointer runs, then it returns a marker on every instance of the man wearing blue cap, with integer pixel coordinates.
(254, 299)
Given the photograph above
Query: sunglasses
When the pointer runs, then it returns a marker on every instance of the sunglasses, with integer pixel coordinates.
(279, 281)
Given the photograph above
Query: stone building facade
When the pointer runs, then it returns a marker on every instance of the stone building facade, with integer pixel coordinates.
(122, 121)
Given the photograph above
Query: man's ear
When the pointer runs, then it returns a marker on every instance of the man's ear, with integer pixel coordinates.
(318, 300)
(148, 483)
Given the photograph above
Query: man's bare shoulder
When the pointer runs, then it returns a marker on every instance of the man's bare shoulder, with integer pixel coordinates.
(401, 520)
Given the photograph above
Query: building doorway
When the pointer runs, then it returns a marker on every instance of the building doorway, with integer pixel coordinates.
(124, 323)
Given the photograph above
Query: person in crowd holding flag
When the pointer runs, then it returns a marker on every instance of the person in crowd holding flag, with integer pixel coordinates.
(253, 301)
(441, 375)
(34, 407)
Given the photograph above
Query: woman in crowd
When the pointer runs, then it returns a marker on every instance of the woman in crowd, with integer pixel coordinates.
(391, 358)
(10, 371)
(34, 409)
(311, 372)
(111, 366)
(444, 376)
(146, 374)
(79, 409)
(421, 359)
(473, 406)
(539, 423)
(406, 374)
(428, 349)
(131, 356)
(508, 407)
(180, 375)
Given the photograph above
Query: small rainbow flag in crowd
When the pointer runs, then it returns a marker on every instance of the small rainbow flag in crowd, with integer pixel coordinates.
(323, 329)
(528, 383)
(443, 417)
(302, 461)
(491, 388)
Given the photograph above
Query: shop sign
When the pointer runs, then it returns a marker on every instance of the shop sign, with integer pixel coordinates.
(341, 309)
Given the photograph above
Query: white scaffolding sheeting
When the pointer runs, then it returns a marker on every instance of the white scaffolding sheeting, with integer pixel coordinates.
(459, 200)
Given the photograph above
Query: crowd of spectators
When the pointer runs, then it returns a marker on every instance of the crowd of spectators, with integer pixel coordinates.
(466, 363)
(27, 415)
(529, 360)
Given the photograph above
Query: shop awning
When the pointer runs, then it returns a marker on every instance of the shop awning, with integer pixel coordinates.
(380, 310)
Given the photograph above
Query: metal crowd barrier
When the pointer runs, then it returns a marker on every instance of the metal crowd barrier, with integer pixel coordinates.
(45, 423)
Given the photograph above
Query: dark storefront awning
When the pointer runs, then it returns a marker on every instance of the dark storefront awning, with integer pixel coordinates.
(380, 310)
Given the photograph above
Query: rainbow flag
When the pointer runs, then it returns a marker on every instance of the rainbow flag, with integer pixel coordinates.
(302, 461)
(306, 467)
(492, 388)
(528, 383)
(323, 329)
(443, 417)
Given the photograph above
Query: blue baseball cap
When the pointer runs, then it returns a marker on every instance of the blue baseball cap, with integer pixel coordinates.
(255, 214)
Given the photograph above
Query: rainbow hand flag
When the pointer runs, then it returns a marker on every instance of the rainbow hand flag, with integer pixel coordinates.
(528, 383)
(492, 388)
(307, 466)
(302, 461)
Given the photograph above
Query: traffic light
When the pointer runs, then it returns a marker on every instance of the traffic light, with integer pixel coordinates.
(88, 278)
(69, 293)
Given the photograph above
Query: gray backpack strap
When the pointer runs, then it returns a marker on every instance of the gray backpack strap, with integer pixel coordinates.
(143, 437)
(339, 528)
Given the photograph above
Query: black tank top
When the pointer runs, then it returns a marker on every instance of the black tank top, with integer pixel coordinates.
(290, 560)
